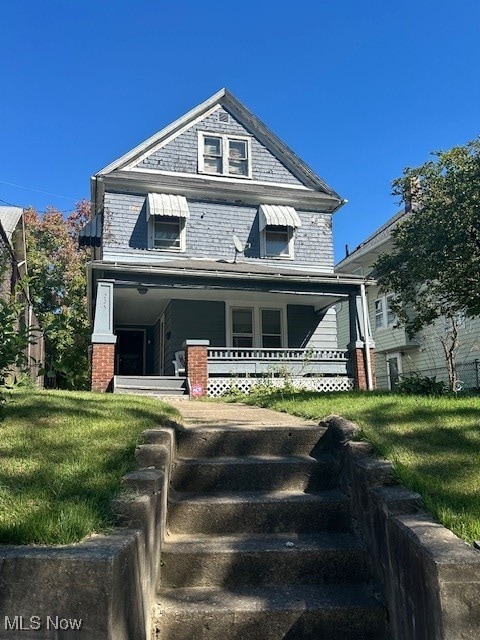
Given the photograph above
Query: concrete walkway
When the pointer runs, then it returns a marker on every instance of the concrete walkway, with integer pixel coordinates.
(196, 413)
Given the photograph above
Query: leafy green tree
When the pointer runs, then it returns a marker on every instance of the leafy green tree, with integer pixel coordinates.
(434, 266)
(58, 285)
(14, 334)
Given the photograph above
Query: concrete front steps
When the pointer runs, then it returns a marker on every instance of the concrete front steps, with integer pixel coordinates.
(260, 542)
(158, 386)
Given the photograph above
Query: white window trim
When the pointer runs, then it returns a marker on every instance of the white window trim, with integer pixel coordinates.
(291, 245)
(183, 236)
(225, 137)
(385, 324)
(257, 321)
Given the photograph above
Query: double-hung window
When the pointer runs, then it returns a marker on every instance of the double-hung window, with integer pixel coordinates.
(257, 327)
(271, 328)
(277, 226)
(224, 155)
(384, 314)
(278, 241)
(167, 215)
(167, 231)
(242, 327)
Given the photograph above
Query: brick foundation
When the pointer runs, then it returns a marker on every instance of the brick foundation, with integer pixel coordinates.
(103, 366)
(196, 366)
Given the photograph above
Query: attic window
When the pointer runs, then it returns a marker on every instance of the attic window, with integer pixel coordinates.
(223, 155)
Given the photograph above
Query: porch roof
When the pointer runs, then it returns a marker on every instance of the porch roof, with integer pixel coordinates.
(243, 282)
(230, 271)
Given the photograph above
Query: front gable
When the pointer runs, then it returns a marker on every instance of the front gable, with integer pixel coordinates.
(241, 141)
(184, 153)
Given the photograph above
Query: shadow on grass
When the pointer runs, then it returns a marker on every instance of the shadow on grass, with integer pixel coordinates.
(63, 457)
(433, 442)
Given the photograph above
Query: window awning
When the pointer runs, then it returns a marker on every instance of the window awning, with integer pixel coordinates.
(91, 234)
(166, 204)
(277, 215)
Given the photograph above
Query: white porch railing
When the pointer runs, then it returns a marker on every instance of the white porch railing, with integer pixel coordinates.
(276, 362)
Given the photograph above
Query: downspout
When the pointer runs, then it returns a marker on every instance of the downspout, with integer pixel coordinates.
(366, 338)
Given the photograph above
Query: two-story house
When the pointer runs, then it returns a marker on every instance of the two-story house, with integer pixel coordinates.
(214, 240)
(397, 354)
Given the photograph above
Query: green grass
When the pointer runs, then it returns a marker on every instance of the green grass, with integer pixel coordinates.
(62, 458)
(433, 442)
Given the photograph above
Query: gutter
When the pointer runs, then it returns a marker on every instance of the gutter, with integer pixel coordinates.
(155, 270)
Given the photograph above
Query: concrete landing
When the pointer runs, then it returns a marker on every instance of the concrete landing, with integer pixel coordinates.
(223, 414)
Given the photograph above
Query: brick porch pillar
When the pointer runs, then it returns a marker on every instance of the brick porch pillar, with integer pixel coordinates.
(103, 339)
(359, 332)
(360, 368)
(196, 366)
(102, 362)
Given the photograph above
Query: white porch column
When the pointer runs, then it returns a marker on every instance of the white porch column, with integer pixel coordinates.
(103, 322)
(103, 339)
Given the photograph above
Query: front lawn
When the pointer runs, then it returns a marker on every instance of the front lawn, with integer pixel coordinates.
(434, 443)
(62, 458)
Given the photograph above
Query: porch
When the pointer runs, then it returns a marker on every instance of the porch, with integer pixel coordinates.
(258, 326)
(242, 369)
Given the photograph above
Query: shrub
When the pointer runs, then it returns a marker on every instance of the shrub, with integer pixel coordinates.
(421, 385)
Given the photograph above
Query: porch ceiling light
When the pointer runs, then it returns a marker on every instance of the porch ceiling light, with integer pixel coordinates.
(142, 290)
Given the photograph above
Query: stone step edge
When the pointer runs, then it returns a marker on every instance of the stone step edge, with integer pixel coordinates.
(257, 497)
(273, 542)
(217, 600)
(257, 459)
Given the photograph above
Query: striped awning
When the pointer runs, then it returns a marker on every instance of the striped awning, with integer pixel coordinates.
(91, 234)
(277, 215)
(166, 204)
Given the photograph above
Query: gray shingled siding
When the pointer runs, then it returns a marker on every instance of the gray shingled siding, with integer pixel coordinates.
(209, 233)
(307, 330)
(181, 154)
(325, 335)
(192, 319)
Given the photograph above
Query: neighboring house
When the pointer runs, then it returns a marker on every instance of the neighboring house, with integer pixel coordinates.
(213, 237)
(395, 353)
(13, 260)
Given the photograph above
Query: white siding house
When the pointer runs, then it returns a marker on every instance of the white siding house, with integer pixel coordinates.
(396, 353)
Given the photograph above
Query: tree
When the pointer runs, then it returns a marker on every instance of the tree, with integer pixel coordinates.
(15, 336)
(58, 291)
(434, 266)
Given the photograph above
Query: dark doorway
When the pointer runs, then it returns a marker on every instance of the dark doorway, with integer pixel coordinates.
(130, 352)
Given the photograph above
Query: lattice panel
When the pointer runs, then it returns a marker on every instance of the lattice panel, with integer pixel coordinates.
(221, 386)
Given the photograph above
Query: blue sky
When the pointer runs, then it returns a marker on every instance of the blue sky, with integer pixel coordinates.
(359, 90)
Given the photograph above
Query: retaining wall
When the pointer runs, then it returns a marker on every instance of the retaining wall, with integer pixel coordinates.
(430, 577)
(102, 588)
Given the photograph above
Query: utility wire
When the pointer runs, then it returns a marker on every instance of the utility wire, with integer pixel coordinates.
(11, 204)
(48, 193)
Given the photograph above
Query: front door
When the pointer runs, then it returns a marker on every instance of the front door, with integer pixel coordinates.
(130, 359)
